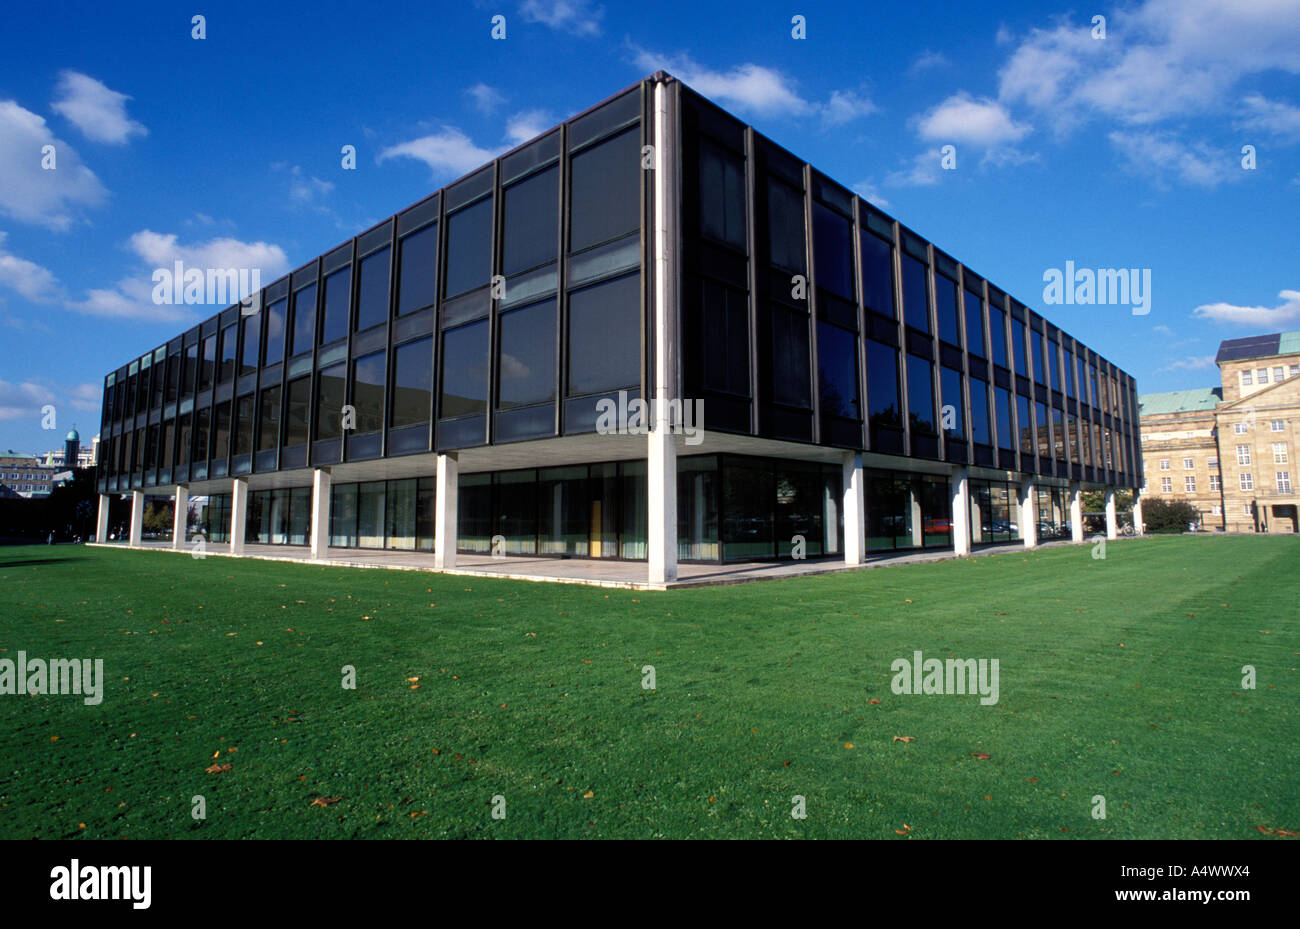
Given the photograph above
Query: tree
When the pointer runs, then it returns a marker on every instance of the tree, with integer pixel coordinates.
(1169, 516)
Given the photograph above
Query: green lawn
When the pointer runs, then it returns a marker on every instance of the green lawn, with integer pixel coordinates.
(1119, 677)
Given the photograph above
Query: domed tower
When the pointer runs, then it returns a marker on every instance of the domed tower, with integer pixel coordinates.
(71, 446)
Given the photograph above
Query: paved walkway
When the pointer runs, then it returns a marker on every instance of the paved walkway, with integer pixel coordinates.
(590, 571)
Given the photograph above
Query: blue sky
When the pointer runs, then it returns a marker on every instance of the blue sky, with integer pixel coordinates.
(1122, 151)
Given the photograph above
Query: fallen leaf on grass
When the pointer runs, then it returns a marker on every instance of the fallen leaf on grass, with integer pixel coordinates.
(873, 700)
(904, 738)
(325, 801)
(588, 795)
(217, 768)
(982, 756)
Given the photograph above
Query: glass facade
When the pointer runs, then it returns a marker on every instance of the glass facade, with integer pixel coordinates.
(504, 307)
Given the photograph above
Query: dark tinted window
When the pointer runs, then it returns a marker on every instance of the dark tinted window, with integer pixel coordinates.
(275, 324)
(920, 396)
(530, 231)
(527, 365)
(833, 251)
(465, 370)
(790, 376)
(837, 371)
(268, 432)
(877, 274)
(979, 412)
(1036, 349)
(1069, 373)
(202, 423)
(604, 336)
(413, 383)
(208, 368)
(221, 432)
(251, 327)
(244, 425)
(916, 300)
(469, 248)
(998, 335)
(331, 387)
(304, 321)
(369, 374)
(184, 435)
(1025, 425)
(1053, 364)
(946, 309)
(188, 373)
(228, 349)
(785, 227)
(296, 411)
(372, 295)
(725, 338)
(605, 190)
(974, 324)
(338, 295)
(882, 385)
(1018, 346)
(418, 282)
(722, 194)
(952, 409)
(1002, 407)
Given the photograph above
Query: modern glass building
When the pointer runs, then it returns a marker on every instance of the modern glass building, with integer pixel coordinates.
(444, 380)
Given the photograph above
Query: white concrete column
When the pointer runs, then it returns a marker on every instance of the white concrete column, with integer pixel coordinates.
(661, 450)
(1112, 524)
(1076, 513)
(960, 523)
(319, 533)
(855, 510)
(101, 521)
(238, 514)
(914, 509)
(1029, 512)
(977, 516)
(180, 514)
(445, 504)
(137, 516)
(661, 493)
(1139, 527)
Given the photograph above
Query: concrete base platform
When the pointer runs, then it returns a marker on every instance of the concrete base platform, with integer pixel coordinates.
(590, 571)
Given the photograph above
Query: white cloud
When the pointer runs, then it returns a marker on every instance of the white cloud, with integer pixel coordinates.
(576, 16)
(923, 171)
(962, 119)
(1162, 59)
(526, 125)
(844, 106)
(1160, 156)
(448, 152)
(132, 296)
(28, 278)
(1195, 363)
(30, 193)
(867, 191)
(305, 189)
(756, 89)
(1270, 116)
(24, 400)
(100, 113)
(486, 99)
(928, 60)
(1264, 318)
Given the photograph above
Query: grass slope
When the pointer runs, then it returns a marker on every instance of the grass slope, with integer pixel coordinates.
(1119, 677)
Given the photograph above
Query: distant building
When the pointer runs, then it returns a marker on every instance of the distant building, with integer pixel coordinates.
(73, 451)
(27, 475)
(1227, 450)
